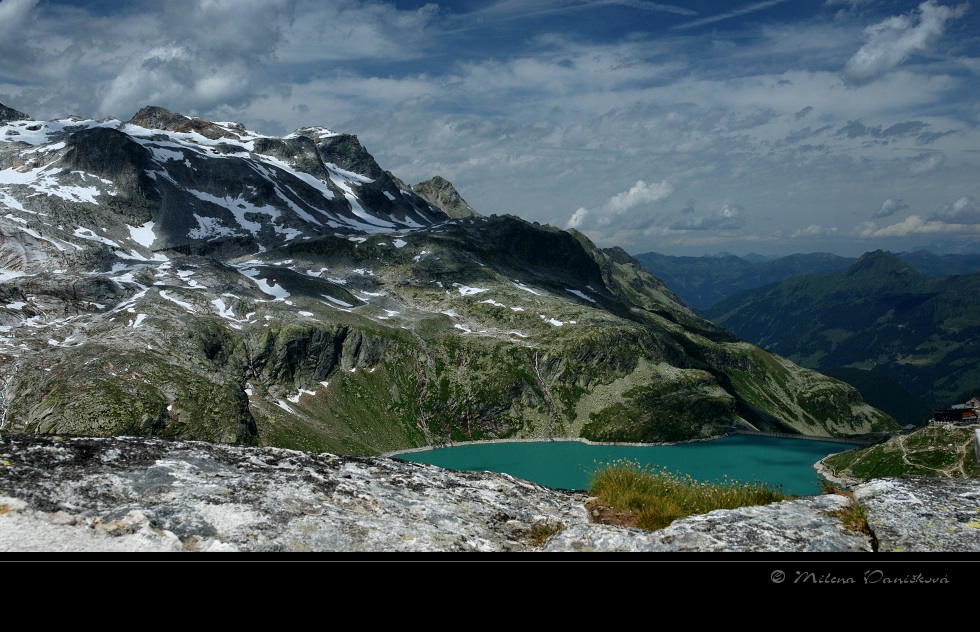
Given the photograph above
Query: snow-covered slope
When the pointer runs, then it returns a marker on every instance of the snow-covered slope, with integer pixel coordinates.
(173, 276)
(162, 180)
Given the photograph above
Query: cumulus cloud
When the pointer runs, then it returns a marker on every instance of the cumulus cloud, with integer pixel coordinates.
(205, 55)
(965, 210)
(889, 207)
(962, 217)
(557, 110)
(893, 40)
(911, 225)
(577, 218)
(639, 194)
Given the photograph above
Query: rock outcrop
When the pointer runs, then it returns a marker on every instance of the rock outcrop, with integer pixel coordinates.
(443, 194)
(126, 494)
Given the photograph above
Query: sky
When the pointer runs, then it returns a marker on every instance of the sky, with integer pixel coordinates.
(685, 128)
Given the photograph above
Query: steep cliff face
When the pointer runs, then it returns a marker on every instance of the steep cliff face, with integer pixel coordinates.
(190, 279)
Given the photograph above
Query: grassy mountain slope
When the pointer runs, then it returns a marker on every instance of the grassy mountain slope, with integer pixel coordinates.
(703, 281)
(920, 332)
(942, 451)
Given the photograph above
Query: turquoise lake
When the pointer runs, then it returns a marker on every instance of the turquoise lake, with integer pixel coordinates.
(567, 464)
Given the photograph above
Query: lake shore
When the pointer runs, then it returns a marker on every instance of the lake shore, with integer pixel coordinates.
(612, 443)
(395, 453)
(841, 481)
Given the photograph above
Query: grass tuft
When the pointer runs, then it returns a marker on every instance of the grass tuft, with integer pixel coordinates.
(654, 498)
(854, 515)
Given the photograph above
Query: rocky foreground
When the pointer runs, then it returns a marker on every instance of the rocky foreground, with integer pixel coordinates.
(130, 495)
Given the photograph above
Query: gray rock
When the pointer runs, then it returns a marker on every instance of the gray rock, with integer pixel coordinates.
(923, 514)
(126, 494)
(802, 525)
(10, 114)
(443, 194)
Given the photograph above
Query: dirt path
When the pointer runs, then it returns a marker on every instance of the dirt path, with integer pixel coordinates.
(955, 443)
(955, 470)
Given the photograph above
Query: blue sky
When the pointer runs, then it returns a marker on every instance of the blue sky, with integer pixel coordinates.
(686, 128)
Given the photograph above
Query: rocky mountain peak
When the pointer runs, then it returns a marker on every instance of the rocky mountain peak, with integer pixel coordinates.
(10, 114)
(879, 271)
(879, 262)
(442, 193)
(155, 117)
(347, 152)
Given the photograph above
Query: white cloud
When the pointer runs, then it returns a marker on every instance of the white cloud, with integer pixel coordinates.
(962, 217)
(911, 225)
(965, 210)
(206, 55)
(893, 40)
(640, 194)
(575, 221)
(889, 207)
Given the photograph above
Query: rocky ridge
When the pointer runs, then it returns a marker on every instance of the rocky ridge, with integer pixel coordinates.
(139, 495)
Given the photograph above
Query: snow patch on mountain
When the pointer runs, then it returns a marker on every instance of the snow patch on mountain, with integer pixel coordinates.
(187, 306)
(555, 321)
(239, 207)
(580, 295)
(269, 287)
(209, 227)
(521, 286)
(143, 235)
(88, 233)
(336, 301)
(466, 290)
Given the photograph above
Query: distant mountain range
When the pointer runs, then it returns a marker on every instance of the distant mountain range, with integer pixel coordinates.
(177, 277)
(700, 282)
(877, 324)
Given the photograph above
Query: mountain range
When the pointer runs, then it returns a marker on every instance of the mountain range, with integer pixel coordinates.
(878, 324)
(177, 277)
(700, 282)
